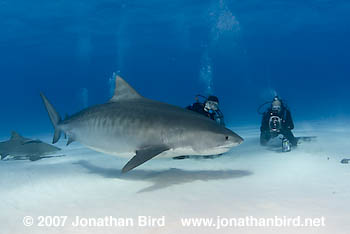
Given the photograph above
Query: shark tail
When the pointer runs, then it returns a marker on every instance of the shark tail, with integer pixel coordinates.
(54, 116)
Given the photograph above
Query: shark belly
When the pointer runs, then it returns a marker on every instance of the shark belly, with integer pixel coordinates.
(189, 151)
(108, 144)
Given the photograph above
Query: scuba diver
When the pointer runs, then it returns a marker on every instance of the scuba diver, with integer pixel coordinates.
(208, 108)
(277, 120)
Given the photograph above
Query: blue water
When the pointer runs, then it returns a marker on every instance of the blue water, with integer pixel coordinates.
(242, 51)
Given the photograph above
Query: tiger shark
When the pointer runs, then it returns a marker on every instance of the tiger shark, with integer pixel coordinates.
(130, 125)
(24, 148)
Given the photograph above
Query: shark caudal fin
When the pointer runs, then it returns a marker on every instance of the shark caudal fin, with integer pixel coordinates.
(54, 116)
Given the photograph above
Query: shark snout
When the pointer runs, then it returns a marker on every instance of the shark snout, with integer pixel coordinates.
(236, 139)
(233, 142)
(239, 140)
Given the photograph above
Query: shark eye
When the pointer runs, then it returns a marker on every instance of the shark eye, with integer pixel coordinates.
(226, 138)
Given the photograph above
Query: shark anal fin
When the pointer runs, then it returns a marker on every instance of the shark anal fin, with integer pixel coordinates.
(143, 155)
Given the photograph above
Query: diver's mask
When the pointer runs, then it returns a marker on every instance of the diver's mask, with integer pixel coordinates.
(276, 106)
(211, 105)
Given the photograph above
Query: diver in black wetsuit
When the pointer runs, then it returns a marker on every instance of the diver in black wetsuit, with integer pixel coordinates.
(209, 108)
(277, 120)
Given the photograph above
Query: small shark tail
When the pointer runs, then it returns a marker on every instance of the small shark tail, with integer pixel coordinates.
(54, 116)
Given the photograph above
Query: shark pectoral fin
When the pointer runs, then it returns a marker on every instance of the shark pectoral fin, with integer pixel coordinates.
(143, 155)
(3, 156)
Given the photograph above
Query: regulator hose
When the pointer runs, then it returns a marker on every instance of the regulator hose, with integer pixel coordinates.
(261, 106)
(200, 95)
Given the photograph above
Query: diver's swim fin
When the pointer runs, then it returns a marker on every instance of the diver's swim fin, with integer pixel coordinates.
(306, 139)
(144, 155)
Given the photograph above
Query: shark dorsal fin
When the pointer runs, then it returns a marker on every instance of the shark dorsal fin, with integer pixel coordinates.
(16, 136)
(123, 91)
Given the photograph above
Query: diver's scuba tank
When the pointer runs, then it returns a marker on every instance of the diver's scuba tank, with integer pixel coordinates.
(286, 145)
(219, 118)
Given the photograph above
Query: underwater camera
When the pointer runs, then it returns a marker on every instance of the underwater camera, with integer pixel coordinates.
(275, 124)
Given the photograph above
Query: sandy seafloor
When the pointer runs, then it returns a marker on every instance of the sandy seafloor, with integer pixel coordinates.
(250, 180)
